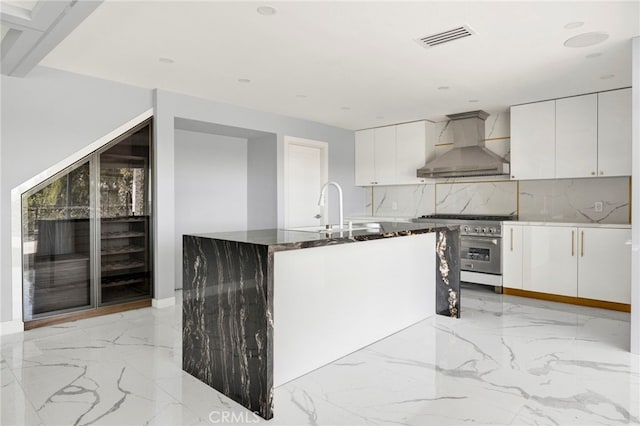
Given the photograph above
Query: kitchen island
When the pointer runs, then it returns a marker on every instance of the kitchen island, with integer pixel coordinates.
(263, 307)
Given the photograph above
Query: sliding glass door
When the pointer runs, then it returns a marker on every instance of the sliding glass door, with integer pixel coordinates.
(124, 214)
(86, 231)
(56, 243)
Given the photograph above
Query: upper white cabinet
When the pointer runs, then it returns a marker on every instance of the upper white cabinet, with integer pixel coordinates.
(391, 155)
(414, 146)
(577, 136)
(385, 155)
(533, 140)
(365, 157)
(614, 133)
(580, 136)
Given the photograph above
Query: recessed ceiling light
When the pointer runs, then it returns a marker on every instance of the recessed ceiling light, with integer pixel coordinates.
(586, 39)
(244, 80)
(166, 60)
(593, 55)
(607, 76)
(301, 96)
(266, 10)
(572, 25)
(345, 108)
(473, 101)
(443, 88)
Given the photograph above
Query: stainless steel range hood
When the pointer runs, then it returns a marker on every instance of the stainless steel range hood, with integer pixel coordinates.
(468, 157)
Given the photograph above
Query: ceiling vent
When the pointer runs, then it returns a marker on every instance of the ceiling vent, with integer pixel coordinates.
(434, 40)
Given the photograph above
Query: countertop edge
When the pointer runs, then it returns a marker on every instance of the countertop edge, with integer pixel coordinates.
(307, 240)
(571, 224)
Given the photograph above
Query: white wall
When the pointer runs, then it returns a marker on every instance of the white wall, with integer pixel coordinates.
(262, 183)
(169, 106)
(46, 118)
(210, 186)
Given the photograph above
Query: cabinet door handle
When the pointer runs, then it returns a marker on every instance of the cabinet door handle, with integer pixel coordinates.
(601, 172)
(573, 237)
(581, 243)
(511, 238)
(593, 173)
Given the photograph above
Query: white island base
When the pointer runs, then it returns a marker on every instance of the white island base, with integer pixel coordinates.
(333, 300)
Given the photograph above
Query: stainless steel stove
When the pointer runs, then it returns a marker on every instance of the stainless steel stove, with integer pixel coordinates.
(480, 245)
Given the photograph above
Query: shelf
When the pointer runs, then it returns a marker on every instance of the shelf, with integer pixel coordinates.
(124, 219)
(122, 250)
(126, 234)
(119, 283)
(119, 266)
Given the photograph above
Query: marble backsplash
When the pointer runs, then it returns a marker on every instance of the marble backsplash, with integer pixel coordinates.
(573, 200)
(490, 198)
(557, 200)
(401, 201)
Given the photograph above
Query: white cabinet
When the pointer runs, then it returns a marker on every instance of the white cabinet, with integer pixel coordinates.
(533, 140)
(365, 157)
(391, 155)
(585, 262)
(577, 136)
(385, 155)
(512, 256)
(604, 264)
(549, 261)
(414, 146)
(614, 133)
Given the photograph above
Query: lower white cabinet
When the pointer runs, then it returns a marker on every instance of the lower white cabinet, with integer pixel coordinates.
(549, 260)
(587, 262)
(604, 264)
(512, 256)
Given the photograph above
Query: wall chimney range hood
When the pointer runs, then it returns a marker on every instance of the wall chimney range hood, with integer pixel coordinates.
(468, 157)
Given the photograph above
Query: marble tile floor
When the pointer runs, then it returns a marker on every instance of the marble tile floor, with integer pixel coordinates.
(507, 361)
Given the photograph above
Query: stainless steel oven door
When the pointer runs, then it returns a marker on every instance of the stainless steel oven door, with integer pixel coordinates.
(480, 254)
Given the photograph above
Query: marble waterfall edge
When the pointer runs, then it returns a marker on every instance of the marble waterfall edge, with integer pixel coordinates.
(448, 272)
(226, 320)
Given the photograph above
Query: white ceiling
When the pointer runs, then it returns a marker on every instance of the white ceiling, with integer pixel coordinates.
(355, 64)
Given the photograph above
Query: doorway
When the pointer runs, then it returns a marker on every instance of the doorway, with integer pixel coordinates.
(306, 169)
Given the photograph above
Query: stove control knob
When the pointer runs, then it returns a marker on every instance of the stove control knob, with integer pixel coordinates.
(467, 229)
(477, 229)
(492, 230)
(485, 230)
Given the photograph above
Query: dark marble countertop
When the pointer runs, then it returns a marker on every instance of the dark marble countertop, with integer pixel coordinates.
(303, 239)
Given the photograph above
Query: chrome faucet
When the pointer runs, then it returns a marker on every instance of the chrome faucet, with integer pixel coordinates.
(340, 206)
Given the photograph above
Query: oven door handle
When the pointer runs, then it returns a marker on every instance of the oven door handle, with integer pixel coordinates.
(493, 241)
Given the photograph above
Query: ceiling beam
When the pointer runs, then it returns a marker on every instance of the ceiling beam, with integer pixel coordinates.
(32, 35)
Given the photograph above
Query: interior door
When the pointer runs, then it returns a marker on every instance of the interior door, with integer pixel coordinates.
(305, 173)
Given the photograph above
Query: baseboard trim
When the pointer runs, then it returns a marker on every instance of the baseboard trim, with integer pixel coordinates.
(90, 313)
(614, 306)
(11, 327)
(163, 303)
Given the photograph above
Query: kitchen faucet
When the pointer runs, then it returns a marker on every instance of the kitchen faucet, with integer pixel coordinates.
(340, 206)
